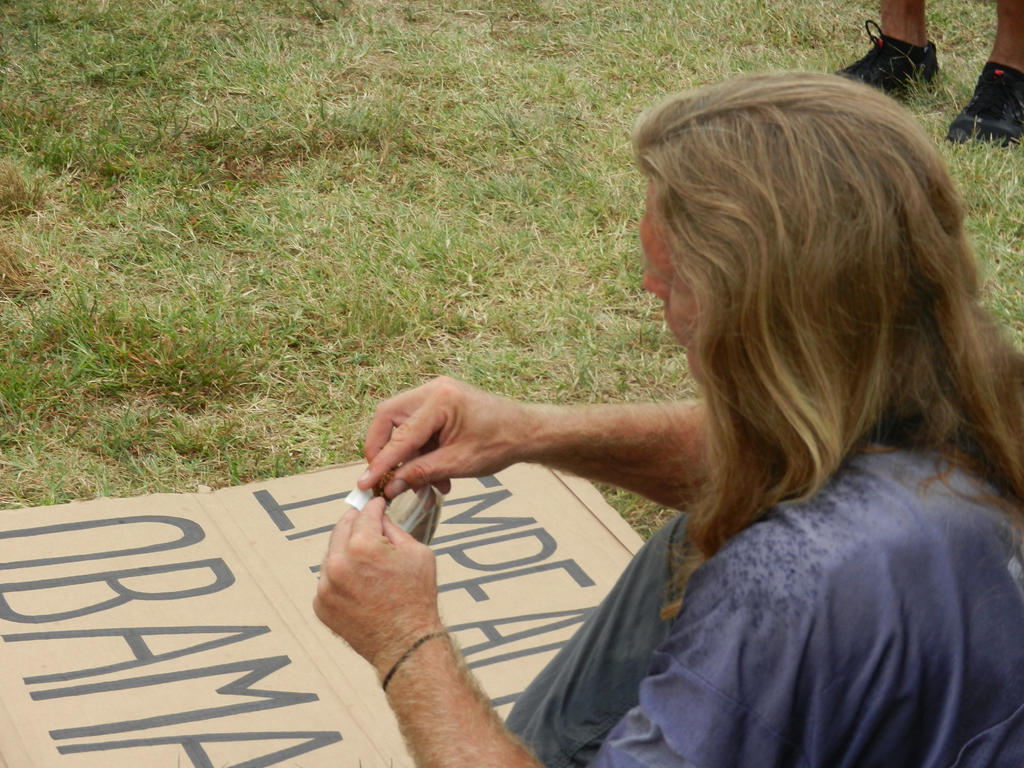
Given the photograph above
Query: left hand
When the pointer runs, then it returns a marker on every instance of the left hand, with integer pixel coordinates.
(378, 586)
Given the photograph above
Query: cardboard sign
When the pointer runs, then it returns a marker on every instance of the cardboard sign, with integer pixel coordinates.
(177, 630)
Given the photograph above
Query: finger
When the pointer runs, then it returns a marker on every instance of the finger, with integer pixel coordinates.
(395, 534)
(342, 530)
(412, 474)
(340, 536)
(379, 431)
(405, 444)
(390, 414)
(370, 522)
(420, 471)
(377, 436)
(399, 444)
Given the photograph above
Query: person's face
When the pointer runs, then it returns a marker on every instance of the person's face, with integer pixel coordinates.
(661, 279)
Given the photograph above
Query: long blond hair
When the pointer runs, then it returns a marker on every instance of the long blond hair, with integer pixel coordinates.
(838, 296)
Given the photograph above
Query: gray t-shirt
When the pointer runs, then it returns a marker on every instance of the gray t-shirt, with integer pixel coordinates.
(881, 623)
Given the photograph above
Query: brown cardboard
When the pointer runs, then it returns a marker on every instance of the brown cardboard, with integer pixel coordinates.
(177, 630)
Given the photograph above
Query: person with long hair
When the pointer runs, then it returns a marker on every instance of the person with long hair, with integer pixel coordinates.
(845, 585)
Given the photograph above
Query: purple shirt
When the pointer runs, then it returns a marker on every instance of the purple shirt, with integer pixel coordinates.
(881, 623)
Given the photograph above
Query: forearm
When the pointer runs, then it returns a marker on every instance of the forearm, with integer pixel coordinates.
(447, 429)
(378, 590)
(446, 720)
(654, 449)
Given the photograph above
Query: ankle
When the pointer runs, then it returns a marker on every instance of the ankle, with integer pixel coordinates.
(908, 28)
(996, 67)
(910, 50)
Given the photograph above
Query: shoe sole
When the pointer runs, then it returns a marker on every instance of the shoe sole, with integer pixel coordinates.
(964, 130)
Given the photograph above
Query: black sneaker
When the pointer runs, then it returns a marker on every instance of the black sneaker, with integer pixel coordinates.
(996, 111)
(891, 64)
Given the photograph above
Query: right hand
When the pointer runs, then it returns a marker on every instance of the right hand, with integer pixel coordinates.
(377, 586)
(440, 430)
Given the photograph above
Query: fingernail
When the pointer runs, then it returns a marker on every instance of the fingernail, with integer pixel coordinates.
(363, 478)
(396, 487)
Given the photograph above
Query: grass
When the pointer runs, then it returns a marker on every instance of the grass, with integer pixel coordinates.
(227, 230)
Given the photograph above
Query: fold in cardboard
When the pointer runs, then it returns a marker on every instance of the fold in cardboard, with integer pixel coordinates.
(177, 630)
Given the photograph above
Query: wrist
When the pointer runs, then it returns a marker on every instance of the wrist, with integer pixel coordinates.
(398, 644)
(439, 635)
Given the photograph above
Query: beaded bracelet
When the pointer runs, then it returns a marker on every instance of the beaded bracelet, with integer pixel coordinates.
(407, 654)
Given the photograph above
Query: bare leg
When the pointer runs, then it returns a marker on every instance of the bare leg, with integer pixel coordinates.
(996, 111)
(904, 20)
(1009, 44)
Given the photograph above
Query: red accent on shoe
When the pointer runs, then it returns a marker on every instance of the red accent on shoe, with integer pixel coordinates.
(998, 72)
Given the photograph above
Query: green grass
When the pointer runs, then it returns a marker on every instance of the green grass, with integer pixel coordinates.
(228, 229)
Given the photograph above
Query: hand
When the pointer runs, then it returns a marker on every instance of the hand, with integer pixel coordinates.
(440, 430)
(378, 586)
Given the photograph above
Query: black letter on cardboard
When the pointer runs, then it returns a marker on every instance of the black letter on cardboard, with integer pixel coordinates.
(191, 533)
(134, 637)
(193, 746)
(255, 669)
(223, 578)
